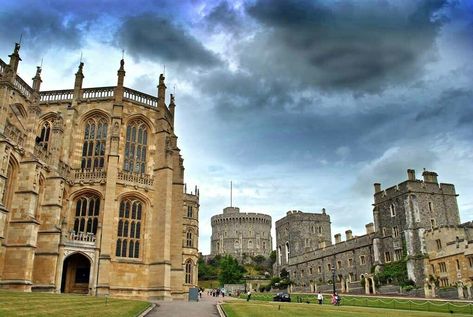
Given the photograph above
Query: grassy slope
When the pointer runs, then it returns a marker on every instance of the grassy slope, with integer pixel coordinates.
(51, 305)
(263, 309)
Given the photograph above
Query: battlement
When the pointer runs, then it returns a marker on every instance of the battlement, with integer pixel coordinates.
(297, 215)
(341, 247)
(233, 214)
(429, 184)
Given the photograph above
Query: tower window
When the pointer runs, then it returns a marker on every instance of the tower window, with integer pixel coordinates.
(93, 148)
(393, 210)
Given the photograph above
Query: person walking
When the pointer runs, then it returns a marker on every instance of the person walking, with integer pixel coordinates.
(320, 298)
(248, 296)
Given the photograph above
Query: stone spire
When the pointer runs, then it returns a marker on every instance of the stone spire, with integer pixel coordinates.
(161, 90)
(78, 81)
(37, 79)
(15, 58)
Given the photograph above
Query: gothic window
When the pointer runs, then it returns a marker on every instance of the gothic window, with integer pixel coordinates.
(87, 214)
(395, 232)
(136, 147)
(189, 211)
(387, 256)
(279, 255)
(188, 271)
(250, 244)
(93, 148)
(129, 229)
(44, 135)
(393, 210)
(189, 242)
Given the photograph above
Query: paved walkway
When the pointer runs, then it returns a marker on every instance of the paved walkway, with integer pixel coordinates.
(206, 307)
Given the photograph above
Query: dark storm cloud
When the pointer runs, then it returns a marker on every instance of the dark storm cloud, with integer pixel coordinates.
(41, 27)
(344, 45)
(224, 17)
(157, 39)
(454, 105)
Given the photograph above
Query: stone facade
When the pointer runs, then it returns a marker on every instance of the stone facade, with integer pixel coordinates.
(241, 234)
(402, 214)
(92, 191)
(450, 259)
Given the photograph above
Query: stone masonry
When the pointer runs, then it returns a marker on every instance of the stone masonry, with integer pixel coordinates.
(92, 190)
(241, 234)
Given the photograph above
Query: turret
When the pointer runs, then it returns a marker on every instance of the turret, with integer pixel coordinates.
(430, 177)
(15, 58)
(37, 79)
(78, 81)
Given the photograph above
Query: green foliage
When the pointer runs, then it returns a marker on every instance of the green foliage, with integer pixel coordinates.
(208, 271)
(272, 257)
(394, 273)
(259, 259)
(230, 271)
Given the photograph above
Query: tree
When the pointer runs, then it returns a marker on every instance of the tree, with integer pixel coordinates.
(230, 271)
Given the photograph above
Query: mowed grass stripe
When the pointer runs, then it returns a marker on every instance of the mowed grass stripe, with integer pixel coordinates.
(43, 304)
(263, 309)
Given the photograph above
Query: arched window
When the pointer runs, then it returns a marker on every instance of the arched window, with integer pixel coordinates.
(87, 214)
(189, 274)
(129, 229)
(189, 242)
(135, 147)
(93, 148)
(44, 135)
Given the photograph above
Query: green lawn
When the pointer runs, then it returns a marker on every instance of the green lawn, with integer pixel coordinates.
(264, 309)
(380, 302)
(42, 304)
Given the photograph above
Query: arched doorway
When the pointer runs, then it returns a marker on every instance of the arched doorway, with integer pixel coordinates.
(75, 274)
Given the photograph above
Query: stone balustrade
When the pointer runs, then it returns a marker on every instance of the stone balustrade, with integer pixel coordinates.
(135, 179)
(98, 93)
(56, 95)
(82, 236)
(139, 97)
(23, 87)
(90, 176)
(42, 153)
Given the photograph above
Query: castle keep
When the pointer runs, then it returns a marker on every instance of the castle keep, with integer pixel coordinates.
(406, 217)
(241, 234)
(92, 190)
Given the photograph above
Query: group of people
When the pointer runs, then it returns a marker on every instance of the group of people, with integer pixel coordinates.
(216, 292)
(335, 299)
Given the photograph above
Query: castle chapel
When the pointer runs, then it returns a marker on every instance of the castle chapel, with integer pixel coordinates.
(92, 193)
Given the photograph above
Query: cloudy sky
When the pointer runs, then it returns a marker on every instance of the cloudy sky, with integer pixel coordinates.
(303, 104)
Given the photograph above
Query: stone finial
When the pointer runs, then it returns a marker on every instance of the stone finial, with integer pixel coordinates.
(121, 73)
(78, 81)
(15, 58)
(161, 89)
(37, 79)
